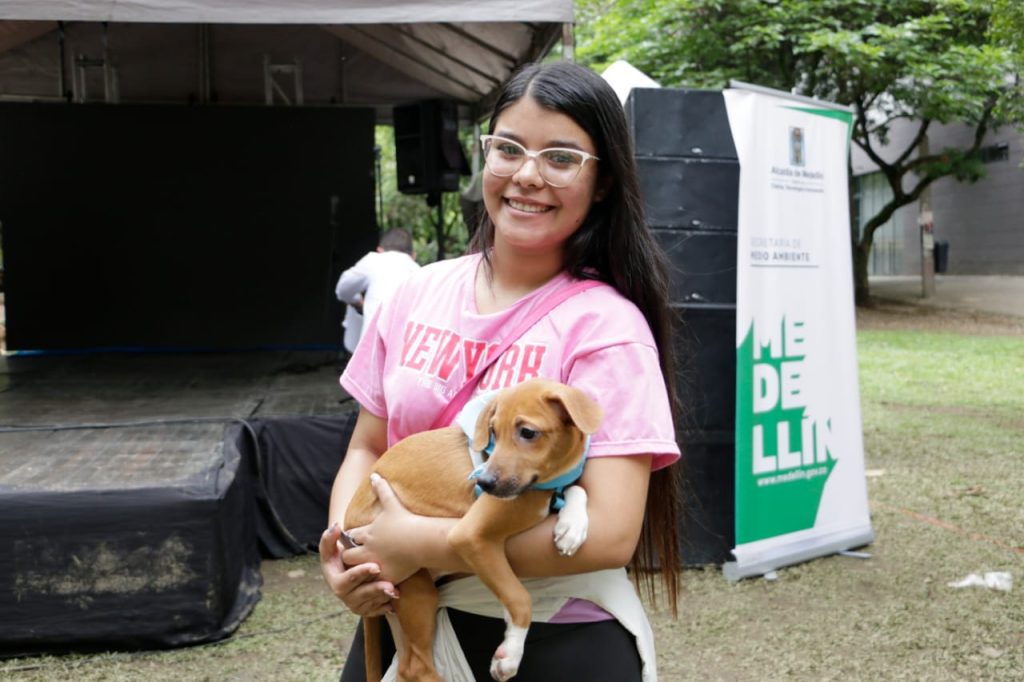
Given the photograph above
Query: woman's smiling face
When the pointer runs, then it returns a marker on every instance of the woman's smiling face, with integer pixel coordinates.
(529, 215)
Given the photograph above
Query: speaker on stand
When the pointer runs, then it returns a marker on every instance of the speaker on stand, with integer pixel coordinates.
(428, 155)
(689, 175)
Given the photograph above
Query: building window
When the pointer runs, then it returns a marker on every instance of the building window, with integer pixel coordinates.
(995, 152)
(871, 193)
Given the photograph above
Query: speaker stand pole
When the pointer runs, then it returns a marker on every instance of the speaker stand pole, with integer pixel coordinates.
(437, 199)
(380, 192)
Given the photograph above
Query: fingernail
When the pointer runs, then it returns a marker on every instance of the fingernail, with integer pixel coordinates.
(391, 593)
(374, 477)
(334, 527)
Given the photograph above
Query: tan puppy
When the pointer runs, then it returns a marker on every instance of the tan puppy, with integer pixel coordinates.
(539, 430)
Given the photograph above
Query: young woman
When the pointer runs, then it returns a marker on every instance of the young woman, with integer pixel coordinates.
(563, 204)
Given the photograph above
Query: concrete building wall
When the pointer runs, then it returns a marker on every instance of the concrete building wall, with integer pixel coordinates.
(983, 221)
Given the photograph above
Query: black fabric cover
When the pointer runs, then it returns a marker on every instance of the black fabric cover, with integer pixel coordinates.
(140, 568)
(294, 465)
(168, 566)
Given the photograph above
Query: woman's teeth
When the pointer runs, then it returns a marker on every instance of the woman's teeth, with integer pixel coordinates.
(529, 208)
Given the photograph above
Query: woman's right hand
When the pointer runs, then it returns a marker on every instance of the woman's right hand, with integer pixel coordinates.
(358, 586)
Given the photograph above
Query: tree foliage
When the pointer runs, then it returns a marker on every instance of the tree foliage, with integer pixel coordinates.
(916, 61)
(1008, 28)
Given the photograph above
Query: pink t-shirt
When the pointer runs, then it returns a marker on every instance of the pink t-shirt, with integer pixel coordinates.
(430, 338)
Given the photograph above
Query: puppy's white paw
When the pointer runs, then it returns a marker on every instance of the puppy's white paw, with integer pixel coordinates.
(502, 669)
(508, 656)
(573, 522)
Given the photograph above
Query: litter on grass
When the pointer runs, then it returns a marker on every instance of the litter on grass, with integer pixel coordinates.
(996, 580)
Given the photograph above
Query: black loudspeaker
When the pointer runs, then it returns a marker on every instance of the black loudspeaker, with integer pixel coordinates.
(703, 265)
(680, 123)
(688, 193)
(689, 176)
(708, 513)
(705, 345)
(428, 154)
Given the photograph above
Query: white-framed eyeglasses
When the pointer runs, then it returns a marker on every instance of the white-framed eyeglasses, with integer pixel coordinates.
(557, 166)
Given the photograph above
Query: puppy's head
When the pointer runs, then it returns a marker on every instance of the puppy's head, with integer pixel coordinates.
(539, 429)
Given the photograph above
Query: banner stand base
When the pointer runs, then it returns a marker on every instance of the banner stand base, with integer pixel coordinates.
(757, 563)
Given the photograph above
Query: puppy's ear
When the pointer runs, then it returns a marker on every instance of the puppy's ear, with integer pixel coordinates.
(482, 432)
(584, 412)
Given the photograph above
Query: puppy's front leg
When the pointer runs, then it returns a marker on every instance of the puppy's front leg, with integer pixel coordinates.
(479, 538)
(487, 558)
(573, 521)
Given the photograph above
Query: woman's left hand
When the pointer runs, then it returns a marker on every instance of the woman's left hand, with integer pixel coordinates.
(386, 541)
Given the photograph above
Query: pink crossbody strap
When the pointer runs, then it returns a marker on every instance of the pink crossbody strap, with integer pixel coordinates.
(550, 303)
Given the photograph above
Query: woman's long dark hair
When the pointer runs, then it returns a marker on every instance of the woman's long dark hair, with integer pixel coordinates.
(614, 241)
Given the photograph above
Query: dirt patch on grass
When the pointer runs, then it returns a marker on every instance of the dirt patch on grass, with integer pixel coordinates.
(997, 419)
(891, 314)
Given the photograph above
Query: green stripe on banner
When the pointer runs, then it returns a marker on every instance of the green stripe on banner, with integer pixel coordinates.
(838, 114)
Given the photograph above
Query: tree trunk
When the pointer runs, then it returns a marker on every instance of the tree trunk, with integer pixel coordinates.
(861, 289)
(862, 247)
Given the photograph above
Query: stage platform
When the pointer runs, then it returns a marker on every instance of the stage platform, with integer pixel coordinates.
(137, 491)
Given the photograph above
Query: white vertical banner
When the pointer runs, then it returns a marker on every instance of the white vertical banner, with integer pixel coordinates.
(800, 486)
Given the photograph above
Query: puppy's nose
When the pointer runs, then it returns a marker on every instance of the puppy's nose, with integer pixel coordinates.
(487, 482)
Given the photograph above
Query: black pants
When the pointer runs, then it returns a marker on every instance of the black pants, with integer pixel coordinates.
(554, 651)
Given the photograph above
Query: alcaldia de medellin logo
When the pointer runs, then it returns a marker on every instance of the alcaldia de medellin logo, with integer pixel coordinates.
(797, 156)
(783, 456)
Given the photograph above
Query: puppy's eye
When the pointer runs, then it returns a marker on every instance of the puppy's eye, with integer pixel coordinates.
(528, 434)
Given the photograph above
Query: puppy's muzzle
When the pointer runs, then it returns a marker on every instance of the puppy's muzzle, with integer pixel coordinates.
(503, 487)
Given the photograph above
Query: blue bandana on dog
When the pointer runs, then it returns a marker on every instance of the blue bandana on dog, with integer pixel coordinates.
(467, 419)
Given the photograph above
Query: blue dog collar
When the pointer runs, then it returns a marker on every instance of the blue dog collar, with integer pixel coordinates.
(467, 419)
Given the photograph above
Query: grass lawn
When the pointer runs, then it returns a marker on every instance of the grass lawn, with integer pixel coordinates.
(943, 424)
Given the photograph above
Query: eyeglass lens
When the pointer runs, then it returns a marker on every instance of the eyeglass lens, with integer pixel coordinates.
(558, 167)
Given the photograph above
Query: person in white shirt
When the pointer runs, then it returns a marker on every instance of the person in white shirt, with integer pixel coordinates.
(373, 279)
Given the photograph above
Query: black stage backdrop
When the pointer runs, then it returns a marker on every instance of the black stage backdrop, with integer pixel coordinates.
(163, 227)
